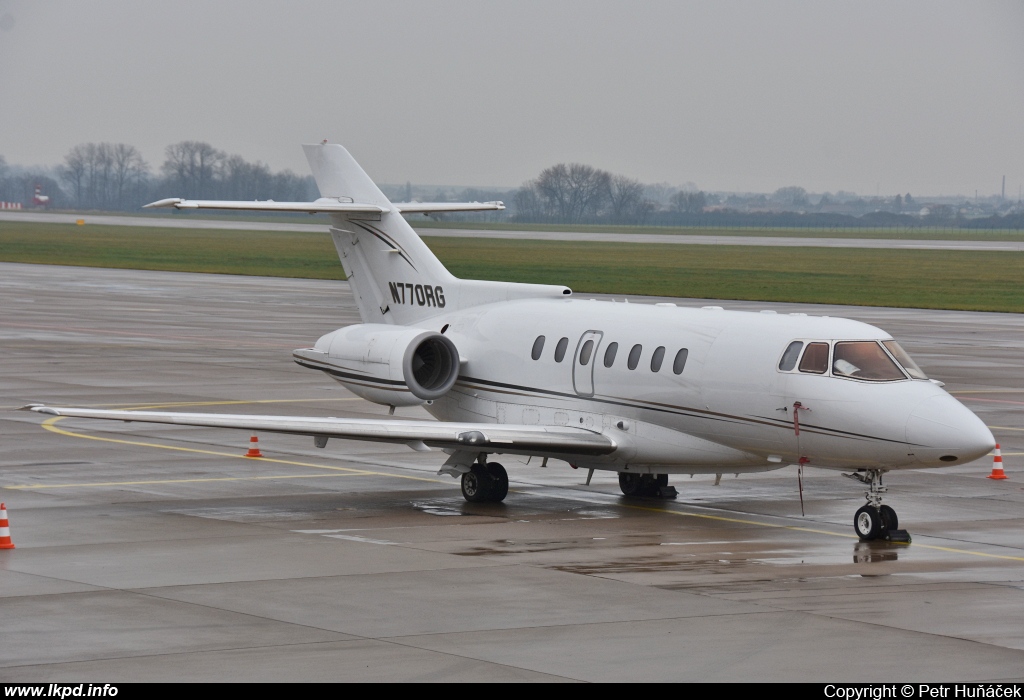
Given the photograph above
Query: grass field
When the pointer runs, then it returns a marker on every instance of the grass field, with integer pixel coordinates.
(874, 233)
(944, 279)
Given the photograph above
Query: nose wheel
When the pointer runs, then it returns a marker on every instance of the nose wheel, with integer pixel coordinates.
(876, 520)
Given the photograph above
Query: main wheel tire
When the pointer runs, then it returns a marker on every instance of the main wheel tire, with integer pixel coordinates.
(889, 520)
(630, 484)
(867, 523)
(476, 484)
(648, 485)
(499, 481)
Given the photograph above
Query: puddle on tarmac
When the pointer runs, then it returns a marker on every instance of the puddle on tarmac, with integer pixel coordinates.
(438, 509)
(875, 552)
(250, 514)
(654, 565)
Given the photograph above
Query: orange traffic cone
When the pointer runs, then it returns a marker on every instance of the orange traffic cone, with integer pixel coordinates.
(997, 465)
(5, 529)
(254, 447)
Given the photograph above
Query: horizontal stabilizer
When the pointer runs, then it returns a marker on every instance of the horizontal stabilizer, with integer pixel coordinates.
(325, 205)
(437, 207)
(508, 439)
(321, 205)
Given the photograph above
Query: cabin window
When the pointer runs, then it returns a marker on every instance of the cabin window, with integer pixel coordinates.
(865, 360)
(680, 361)
(634, 356)
(585, 352)
(657, 357)
(904, 359)
(560, 349)
(538, 347)
(815, 359)
(788, 361)
(609, 354)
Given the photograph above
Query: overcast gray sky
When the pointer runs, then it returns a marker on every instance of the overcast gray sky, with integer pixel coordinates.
(926, 97)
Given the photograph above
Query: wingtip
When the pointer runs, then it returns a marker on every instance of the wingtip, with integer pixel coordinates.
(40, 408)
(163, 203)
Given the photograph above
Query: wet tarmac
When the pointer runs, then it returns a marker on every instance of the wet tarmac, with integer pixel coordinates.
(160, 553)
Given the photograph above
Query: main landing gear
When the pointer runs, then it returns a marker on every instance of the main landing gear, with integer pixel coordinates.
(875, 521)
(651, 485)
(485, 482)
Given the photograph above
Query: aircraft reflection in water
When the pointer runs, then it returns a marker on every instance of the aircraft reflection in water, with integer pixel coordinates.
(642, 390)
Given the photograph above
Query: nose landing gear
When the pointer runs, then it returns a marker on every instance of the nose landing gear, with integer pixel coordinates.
(874, 520)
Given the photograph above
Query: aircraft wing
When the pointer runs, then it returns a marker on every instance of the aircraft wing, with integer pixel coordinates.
(324, 205)
(514, 439)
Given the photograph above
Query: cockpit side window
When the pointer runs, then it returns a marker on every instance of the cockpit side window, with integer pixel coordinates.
(788, 361)
(864, 360)
(904, 359)
(815, 359)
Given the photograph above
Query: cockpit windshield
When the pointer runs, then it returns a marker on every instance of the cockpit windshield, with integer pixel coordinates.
(864, 360)
(904, 359)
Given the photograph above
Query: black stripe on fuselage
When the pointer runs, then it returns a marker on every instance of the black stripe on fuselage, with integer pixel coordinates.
(386, 240)
(673, 409)
(391, 384)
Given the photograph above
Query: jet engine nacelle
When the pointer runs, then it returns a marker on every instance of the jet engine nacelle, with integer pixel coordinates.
(391, 365)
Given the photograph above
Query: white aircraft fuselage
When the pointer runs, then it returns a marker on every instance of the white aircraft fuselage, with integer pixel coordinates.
(730, 409)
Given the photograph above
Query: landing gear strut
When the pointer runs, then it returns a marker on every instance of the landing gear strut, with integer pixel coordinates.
(874, 520)
(485, 482)
(651, 485)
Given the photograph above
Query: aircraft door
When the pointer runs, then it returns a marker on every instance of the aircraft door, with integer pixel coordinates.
(583, 363)
(802, 391)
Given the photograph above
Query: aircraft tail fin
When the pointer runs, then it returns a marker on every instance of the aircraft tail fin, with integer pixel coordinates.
(395, 277)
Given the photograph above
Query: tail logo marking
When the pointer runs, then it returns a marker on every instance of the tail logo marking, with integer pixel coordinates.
(387, 240)
(419, 294)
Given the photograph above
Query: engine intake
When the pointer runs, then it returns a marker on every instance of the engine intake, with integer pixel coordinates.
(431, 367)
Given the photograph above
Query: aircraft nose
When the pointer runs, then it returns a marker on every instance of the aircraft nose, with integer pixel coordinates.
(944, 431)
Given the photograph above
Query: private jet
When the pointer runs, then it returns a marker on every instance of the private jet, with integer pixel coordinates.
(644, 390)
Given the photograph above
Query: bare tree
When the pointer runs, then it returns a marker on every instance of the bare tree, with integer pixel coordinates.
(129, 172)
(193, 166)
(626, 200)
(528, 204)
(573, 192)
(73, 172)
(689, 202)
(104, 175)
(241, 179)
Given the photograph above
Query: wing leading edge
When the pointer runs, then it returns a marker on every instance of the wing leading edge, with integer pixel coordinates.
(508, 439)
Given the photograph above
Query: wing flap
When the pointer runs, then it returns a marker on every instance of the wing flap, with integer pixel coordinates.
(515, 439)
